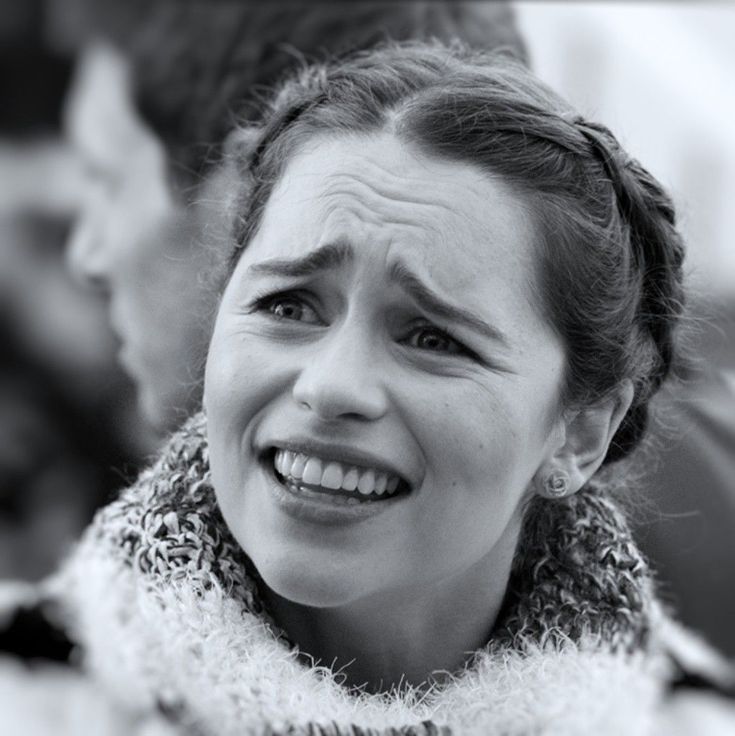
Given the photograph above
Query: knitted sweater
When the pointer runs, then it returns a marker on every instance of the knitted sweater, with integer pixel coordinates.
(164, 606)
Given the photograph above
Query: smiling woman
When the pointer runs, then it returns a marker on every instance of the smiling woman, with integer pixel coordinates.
(450, 303)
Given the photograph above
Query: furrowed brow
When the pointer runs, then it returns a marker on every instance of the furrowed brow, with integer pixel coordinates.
(324, 258)
(432, 302)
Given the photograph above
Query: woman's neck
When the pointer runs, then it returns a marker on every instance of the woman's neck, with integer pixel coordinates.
(408, 637)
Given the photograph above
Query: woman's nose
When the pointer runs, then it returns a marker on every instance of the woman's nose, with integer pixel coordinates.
(342, 381)
(85, 256)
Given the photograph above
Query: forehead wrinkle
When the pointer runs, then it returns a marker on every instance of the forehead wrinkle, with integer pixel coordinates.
(380, 209)
(435, 215)
(354, 186)
(376, 194)
(340, 216)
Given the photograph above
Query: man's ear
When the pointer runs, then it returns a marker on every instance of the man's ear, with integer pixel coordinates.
(587, 436)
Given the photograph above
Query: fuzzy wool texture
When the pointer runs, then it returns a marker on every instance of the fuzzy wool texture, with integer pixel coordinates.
(166, 609)
(232, 675)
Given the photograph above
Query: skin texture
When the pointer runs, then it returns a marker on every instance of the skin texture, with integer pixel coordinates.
(346, 355)
(137, 243)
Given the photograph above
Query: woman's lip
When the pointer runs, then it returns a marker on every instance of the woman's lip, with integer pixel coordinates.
(341, 453)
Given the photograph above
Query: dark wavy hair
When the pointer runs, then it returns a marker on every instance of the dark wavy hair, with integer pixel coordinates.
(195, 65)
(610, 257)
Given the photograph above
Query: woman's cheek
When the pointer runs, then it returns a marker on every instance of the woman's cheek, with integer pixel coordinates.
(235, 365)
(236, 387)
(468, 429)
(220, 378)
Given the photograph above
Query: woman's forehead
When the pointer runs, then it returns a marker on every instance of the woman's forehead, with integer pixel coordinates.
(383, 197)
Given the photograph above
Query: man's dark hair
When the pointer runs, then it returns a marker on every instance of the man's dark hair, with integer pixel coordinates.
(196, 64)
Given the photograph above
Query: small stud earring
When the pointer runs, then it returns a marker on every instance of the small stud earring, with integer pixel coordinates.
(556, 484)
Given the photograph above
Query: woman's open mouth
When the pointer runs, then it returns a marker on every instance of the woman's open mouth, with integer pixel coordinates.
(318, 477)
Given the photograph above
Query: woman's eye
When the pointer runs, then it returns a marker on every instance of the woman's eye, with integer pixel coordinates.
(435, 340)
(291, 308)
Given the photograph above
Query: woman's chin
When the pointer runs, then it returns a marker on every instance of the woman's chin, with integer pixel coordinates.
(300, 583)
(308, 551)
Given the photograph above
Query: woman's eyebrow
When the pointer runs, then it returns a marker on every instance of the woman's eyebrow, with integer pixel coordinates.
(429, 300)
(333, 255)
(324, 258)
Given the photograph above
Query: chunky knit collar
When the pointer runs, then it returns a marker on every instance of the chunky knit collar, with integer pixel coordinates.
(167, 609)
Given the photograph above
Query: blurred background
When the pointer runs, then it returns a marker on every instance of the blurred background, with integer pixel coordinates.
(659, 74)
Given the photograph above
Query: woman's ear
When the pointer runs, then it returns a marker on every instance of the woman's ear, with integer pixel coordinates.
(587, 436)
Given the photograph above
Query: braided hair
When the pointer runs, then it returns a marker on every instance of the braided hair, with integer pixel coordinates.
(610, 257)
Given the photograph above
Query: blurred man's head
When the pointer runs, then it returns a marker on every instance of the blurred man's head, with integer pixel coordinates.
(138, 239)
(157, 90)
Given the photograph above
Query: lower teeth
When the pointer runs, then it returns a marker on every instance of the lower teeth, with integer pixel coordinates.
(309, 493)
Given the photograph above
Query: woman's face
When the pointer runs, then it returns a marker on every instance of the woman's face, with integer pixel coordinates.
(380, 330)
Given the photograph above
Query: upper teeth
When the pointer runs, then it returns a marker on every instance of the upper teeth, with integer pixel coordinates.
(333, 475)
